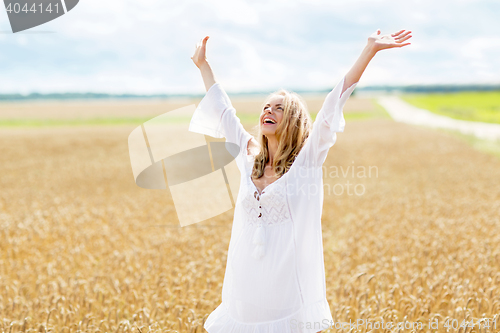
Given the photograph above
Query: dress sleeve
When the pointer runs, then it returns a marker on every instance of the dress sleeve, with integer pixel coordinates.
(216, 117)
(329, 121)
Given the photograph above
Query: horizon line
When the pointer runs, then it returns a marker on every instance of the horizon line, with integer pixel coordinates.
(452, 87)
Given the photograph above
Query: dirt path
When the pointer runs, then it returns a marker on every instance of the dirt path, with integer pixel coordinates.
(404, 112)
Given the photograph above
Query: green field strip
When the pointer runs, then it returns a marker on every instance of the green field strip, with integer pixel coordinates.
(85, 122)
(245, 118)
(471, 106)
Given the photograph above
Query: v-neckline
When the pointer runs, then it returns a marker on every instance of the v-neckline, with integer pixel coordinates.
(249, 177)
(255, 186)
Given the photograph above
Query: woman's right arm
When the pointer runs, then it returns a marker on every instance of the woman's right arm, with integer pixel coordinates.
(200, 60)
(215, 116)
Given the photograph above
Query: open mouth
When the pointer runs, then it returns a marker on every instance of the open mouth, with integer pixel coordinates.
(269, 121)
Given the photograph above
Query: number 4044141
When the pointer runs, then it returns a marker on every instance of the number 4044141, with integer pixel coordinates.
(484, 323)
(16, 8)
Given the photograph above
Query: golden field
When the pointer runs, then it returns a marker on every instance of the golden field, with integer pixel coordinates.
(83, 248)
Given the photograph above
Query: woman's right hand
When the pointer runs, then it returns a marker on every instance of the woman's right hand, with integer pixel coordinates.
(199, 57)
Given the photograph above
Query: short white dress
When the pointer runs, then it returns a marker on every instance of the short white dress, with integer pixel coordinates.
(275, 278)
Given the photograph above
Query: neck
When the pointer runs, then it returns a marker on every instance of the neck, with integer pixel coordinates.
(272, 146)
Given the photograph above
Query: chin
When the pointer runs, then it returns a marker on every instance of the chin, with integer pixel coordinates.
(266, 130)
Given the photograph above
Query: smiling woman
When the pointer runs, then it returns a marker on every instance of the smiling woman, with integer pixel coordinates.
(281, 138)
(275, 277)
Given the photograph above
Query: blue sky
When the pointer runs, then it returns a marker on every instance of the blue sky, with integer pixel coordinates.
(125, 46)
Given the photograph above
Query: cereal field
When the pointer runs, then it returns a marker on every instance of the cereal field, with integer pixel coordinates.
(84, 249)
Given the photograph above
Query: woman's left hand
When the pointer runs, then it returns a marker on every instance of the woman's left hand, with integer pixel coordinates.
(379, 42)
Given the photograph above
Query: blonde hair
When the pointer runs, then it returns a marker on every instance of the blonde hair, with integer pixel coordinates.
(291, 133)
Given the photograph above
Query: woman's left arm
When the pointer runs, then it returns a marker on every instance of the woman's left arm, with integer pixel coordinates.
(330, 119)
(376, 42)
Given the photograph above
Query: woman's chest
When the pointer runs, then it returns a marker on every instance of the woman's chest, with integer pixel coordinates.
(269, 207)
(264, 181)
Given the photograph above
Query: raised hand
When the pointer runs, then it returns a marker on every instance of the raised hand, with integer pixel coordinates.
(379, 42)
(199, 58)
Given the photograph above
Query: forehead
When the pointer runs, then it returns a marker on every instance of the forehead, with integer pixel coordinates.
(276, 99)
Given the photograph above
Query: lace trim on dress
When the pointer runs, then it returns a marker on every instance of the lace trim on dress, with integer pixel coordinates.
(265, 210)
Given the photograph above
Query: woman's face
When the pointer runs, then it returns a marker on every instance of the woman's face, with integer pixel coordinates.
(272, 110)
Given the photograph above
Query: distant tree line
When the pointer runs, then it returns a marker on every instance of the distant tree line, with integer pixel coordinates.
(432, 88)
(69, 96)
(403, 89)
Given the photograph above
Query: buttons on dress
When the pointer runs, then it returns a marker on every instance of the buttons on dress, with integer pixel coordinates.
(256, 195)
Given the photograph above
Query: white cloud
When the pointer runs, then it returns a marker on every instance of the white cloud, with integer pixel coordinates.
(134, 46)
(479, 48)
(237, 11)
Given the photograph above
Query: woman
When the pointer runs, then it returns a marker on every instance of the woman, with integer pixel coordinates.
(274, 279)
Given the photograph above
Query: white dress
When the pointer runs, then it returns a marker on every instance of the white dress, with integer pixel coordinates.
(275, 279)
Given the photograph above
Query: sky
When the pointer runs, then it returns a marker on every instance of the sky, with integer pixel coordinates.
(145, 46)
